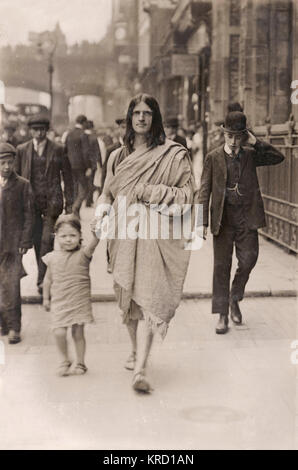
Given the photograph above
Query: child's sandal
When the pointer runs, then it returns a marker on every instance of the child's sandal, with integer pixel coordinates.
(140, 382)
(80, 369)
(130, 361)
(63, 369)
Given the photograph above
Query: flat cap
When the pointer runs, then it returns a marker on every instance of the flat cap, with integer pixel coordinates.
(39, 120)
(6, 150)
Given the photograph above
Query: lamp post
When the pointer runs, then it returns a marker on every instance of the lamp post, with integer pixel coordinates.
(51, 72)
(46, 43)
(49, 47)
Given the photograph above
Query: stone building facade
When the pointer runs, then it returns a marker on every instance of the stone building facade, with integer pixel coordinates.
(210, 53)
(252, 54)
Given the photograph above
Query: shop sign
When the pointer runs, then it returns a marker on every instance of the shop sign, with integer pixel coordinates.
(185, 65)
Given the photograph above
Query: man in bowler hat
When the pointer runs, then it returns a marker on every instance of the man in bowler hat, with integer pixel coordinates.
(121, 129)
(229, 178)
(42, 162)
(171, 130)
(16, 222)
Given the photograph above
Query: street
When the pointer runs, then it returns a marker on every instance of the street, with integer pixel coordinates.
(274, 274)
(235, 391)
(149, 108)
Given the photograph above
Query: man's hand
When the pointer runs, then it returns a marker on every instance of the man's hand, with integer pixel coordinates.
(251, 140)
(88, 172)
(22, 251)
(96, 222)
(46, 305)
(139, 190)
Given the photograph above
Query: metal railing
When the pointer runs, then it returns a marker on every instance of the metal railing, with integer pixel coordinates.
(279, 185)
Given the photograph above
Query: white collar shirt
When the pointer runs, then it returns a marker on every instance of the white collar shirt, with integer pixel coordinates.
(39, 146)
(3, 181)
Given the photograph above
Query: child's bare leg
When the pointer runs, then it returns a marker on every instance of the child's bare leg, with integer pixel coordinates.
(61, 341)
(80, 342)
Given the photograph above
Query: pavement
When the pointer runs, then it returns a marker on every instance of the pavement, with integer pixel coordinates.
(274, 275)
(233, 391)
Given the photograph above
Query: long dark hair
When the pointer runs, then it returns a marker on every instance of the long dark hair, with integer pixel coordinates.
(156, 135)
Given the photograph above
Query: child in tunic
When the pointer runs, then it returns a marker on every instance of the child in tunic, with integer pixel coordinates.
(66, 290)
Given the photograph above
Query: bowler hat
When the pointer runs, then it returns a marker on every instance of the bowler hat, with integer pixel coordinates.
(120, 120)
(6, 150)
(39, 120)
(172, 122)
(10, 126)
(234, 106)
(235, 123)
(81, 119)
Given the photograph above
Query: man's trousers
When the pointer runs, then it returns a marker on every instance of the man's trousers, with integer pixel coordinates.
(91, 190)
(11, 272)
(233, 231)
(81, 188)
(43, 240)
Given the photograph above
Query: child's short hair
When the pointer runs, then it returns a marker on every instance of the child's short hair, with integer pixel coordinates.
(69, 219)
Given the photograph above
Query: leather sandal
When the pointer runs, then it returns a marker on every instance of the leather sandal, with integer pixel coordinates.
(131, 361)
(80, 369)
(140, 383)
(63, 369)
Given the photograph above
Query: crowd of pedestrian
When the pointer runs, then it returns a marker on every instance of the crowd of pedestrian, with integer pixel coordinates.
(45, 180)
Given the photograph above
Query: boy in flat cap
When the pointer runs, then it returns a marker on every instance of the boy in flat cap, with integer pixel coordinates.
(237, 211)
(16, 222)
(42, 162)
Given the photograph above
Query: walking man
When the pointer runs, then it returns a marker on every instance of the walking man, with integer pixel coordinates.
(171, 130)
(237, 211)
(42, 161)
(77, 148)
(95, 159)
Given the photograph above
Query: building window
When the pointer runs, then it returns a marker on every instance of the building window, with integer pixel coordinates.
(234, 67)
(235, 12)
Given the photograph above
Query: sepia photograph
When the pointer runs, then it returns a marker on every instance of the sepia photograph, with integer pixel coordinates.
(148, 227)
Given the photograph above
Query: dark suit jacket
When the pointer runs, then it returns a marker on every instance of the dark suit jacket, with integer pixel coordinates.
(180, 140)
(94, 151)
(214, 179)
(77, 149)
(16, 215)
(57, 163)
